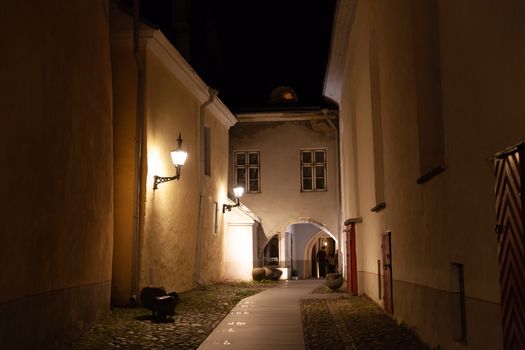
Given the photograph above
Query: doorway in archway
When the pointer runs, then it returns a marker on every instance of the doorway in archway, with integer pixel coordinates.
(329, 264)
(271, 252)
(306, 238)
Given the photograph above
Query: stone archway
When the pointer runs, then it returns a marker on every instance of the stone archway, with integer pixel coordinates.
(304, 236)
(293, 238)
(311, 268)
(271, 252)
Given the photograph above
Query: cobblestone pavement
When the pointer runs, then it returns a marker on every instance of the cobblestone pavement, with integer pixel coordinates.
(346, 322)
(331, 320)
(199, 311)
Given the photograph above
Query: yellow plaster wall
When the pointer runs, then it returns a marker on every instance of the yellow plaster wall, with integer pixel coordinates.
(171, 212)
(56, 156)
(169, 237)
(212, 268)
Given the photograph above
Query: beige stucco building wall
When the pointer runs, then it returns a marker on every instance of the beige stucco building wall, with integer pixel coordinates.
(176, 250)
(56, 155)
(280, 201)
(393, 53)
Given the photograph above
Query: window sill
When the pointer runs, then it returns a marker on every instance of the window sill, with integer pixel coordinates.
(379, 207)
(430, 174)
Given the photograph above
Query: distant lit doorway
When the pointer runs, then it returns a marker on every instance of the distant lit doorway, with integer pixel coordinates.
(271, 252)
(291, 248)
(330, 247)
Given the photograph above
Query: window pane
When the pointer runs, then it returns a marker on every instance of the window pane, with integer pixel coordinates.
(306, 156)
(319, 157)
(241, 175)
(307, 172)
(254, 186)
(307, 184)
(254, 158)
(240, 159)
(254, 173)
(319, 184)
(319, 171)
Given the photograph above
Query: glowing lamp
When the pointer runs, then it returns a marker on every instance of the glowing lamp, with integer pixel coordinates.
(238, 192)
(178, 157)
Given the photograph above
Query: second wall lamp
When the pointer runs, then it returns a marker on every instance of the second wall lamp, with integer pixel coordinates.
(178, 157)
(237, 191)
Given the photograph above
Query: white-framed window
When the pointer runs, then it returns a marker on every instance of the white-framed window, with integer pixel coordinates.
(247, 170)
(313, 170)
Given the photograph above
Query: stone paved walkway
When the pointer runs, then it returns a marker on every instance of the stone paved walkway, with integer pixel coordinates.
(284, 315)
(198, 313)
(354, 323)
(307, 315)
(268, 320)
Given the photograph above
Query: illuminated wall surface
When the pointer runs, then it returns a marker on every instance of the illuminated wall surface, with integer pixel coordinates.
(240, 245)
(171, 243)
(408, 65)
(280, 201)
(56, 154)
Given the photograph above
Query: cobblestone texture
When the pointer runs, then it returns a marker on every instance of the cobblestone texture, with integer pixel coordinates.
(331, 320)
(199, 311)
(356, 323)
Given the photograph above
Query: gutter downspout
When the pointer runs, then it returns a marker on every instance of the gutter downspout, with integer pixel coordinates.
(135, 264)
(337, 180)
(202, 200)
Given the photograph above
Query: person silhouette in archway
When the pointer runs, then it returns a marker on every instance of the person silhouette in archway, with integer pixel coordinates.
(321, 259)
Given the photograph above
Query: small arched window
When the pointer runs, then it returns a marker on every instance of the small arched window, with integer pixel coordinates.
(283, 94)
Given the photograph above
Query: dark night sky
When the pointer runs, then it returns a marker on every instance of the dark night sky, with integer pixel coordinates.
(245, 49)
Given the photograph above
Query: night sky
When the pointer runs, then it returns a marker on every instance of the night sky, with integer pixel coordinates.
(245, 49)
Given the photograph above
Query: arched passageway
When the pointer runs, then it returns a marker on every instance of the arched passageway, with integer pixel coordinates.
(305, 240)
(271, 252)
(315, 268)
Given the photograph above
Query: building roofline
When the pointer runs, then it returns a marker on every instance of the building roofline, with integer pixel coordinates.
(155, 41)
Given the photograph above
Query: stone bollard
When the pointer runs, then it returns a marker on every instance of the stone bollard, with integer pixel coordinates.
(160, 303)
(273, 273)
(258, 273)
(148, 295)
(334, 280)
(164, 306)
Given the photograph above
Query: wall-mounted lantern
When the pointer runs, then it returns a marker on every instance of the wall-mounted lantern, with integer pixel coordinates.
(178, 157)
(237, 191)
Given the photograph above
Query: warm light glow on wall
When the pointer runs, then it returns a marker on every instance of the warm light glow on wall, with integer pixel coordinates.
(238, 244)
(222, 192)
(155, 163)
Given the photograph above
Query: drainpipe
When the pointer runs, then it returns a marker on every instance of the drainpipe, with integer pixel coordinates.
(337, 178)
(202, 200)
(135, 265)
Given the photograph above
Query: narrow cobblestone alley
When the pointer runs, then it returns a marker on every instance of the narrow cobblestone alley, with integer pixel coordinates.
(330, 320)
